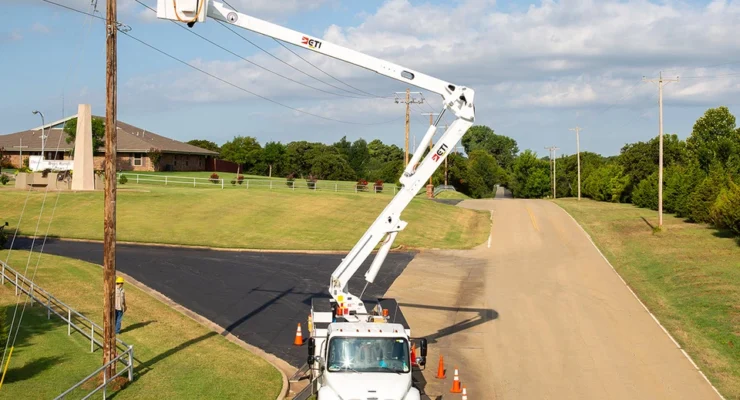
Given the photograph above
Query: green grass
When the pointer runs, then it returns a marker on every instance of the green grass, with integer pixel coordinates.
(688, 275)
(258, 219)
(175, 358)
(449, 194)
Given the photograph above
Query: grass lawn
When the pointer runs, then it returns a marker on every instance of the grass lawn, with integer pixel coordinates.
(175, 357)
(258, 219)
(688, 276)
(450, 194)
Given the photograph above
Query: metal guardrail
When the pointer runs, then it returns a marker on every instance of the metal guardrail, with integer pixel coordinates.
(256, 183)
(72, 317)
(441, 188)
(129, 369)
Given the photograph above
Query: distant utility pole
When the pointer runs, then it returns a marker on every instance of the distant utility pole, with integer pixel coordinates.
(577, 129)
(431, 142)
(408, 101)
(661, 82)
(109, 214)
(553, 170)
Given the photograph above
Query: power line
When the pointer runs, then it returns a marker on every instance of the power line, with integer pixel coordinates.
(250, 92)
(354, 95)
(120, 26)
(247, 60)
(125, 30)
(313, 65)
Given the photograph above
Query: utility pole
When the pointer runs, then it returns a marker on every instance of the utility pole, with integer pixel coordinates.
(431, 142)
(660, 81)
(408, 101)
(577, 129)
(109, 217)
(553, 170)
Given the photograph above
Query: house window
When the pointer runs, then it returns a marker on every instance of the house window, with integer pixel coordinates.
(138, 159)
(186, 162)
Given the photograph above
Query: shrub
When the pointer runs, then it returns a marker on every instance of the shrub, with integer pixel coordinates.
(362, 185)
(607, 183)
(645, 194)
(233, 182)
(240, 179)
(725, 212)
(214, 178)
(379, 185)
(702, 199)
(311, 182)
(680, 182)
(289, 180)
(123, 180)
(4, 179)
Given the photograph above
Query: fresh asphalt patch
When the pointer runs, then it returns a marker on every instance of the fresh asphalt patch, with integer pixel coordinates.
(258, 297)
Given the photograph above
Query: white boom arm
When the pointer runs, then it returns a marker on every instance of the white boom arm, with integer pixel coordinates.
(458, 99)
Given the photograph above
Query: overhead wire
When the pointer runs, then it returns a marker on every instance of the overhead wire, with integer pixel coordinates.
(247, 60)
(265, 98)
(249, 91)
(317, 67)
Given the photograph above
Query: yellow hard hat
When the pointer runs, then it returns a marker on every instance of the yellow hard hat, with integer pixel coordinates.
(119, 280)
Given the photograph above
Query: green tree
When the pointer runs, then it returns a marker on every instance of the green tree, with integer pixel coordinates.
(645, 194)
(702, 199)
(242, 150)
(98, 132)
(530, 176)
(274, 156)
(331, 166)
(483, 174)
(502, 148)
(725, 212)
(359, 156)
(457, 172)
(639, 160)
(343, 146)
(714, 137)
(205, 144)
(680, 182)
(607, 183)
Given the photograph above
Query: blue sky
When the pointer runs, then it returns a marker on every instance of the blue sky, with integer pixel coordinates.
(538, 68)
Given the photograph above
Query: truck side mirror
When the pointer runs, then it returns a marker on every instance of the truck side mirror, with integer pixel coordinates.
(311, 350)
(423, 347)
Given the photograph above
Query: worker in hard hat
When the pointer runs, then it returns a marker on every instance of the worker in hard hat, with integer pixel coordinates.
(120, 303)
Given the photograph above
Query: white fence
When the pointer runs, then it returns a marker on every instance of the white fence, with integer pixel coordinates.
(74, 320)
(269, 184)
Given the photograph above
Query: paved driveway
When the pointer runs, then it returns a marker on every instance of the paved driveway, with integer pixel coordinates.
(259, 297)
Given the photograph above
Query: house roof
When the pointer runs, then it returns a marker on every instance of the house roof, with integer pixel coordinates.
(130, 139)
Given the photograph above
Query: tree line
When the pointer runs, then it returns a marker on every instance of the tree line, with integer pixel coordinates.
(701, 175)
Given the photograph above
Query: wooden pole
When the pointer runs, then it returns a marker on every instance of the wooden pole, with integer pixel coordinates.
(109, 215)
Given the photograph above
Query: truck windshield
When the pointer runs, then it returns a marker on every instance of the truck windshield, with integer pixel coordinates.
(354, 354)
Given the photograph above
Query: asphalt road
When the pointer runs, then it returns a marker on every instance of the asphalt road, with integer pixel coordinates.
(567, 326)
(259, 297)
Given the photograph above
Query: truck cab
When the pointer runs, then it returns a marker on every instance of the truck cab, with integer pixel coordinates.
(364, 360)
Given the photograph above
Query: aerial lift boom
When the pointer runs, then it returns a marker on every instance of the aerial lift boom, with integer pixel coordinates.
(457, 99)
(335, 336)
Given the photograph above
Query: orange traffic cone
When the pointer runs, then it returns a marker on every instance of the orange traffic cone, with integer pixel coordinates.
(413, 355)
(441, 368)
(465, 394)
(298, 336)
(456, 383)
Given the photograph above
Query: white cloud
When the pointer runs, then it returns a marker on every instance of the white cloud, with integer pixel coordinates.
(39, 28)
(15, 36)
(571, 54)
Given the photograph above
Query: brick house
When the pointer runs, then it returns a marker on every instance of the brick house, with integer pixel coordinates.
(134, 144)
